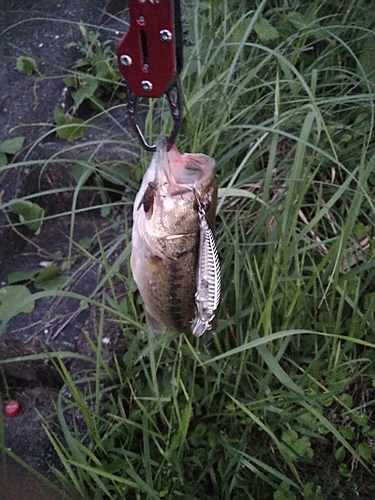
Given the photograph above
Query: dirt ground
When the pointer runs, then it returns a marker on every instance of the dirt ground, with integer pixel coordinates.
(43, 30)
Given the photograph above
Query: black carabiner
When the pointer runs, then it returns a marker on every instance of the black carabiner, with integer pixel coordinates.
(175, 106)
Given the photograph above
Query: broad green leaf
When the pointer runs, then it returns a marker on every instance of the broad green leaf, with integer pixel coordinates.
(59, 116)
(365, 451)
(346, 400)
(73, 131)
(340, 453)
(301, 446)
(117, 173)
(68, 263)
(19, 276)
(71, 81)
(284, 493)
(46, 273)
(12, 146)
(103, 70)
(87, 88)
(344, 471)
(78, 170)
(105, 211)
(69, 128)
(53, 283)
(30, 214)
(310, 493)
(197, 437)
(265, 30)
(3, 159)
(359, 418)
(49, 278)
(27, 65)
(85, 243)
(297, 19)
(14, 299)
(347, 431)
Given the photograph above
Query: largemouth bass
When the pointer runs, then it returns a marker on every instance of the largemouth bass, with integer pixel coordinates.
(174, 260)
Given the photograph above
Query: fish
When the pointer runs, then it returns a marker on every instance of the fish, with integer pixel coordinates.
(174, 260)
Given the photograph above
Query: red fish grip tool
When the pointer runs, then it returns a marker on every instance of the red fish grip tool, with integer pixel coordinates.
(150, 59)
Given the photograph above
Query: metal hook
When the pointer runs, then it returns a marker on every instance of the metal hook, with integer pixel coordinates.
(175, 106)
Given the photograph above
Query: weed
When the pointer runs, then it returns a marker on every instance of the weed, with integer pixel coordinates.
(278, 403)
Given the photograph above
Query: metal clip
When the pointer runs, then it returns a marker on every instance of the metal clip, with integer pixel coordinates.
(150, 58)
(175, 105)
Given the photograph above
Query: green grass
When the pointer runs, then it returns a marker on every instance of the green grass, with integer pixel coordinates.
(278, 403)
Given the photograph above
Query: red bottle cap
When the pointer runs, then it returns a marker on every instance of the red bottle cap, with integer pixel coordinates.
(12, 408)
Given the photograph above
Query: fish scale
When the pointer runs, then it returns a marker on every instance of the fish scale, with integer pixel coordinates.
(167, 231)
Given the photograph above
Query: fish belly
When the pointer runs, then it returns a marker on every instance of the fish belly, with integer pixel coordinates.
(167, 285)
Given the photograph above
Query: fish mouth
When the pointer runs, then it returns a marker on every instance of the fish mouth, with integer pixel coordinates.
(183, 171)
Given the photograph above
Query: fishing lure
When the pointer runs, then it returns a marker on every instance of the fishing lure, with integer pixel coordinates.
(208, 286)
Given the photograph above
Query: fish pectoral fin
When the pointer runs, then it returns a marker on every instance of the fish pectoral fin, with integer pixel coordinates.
(155, 326)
